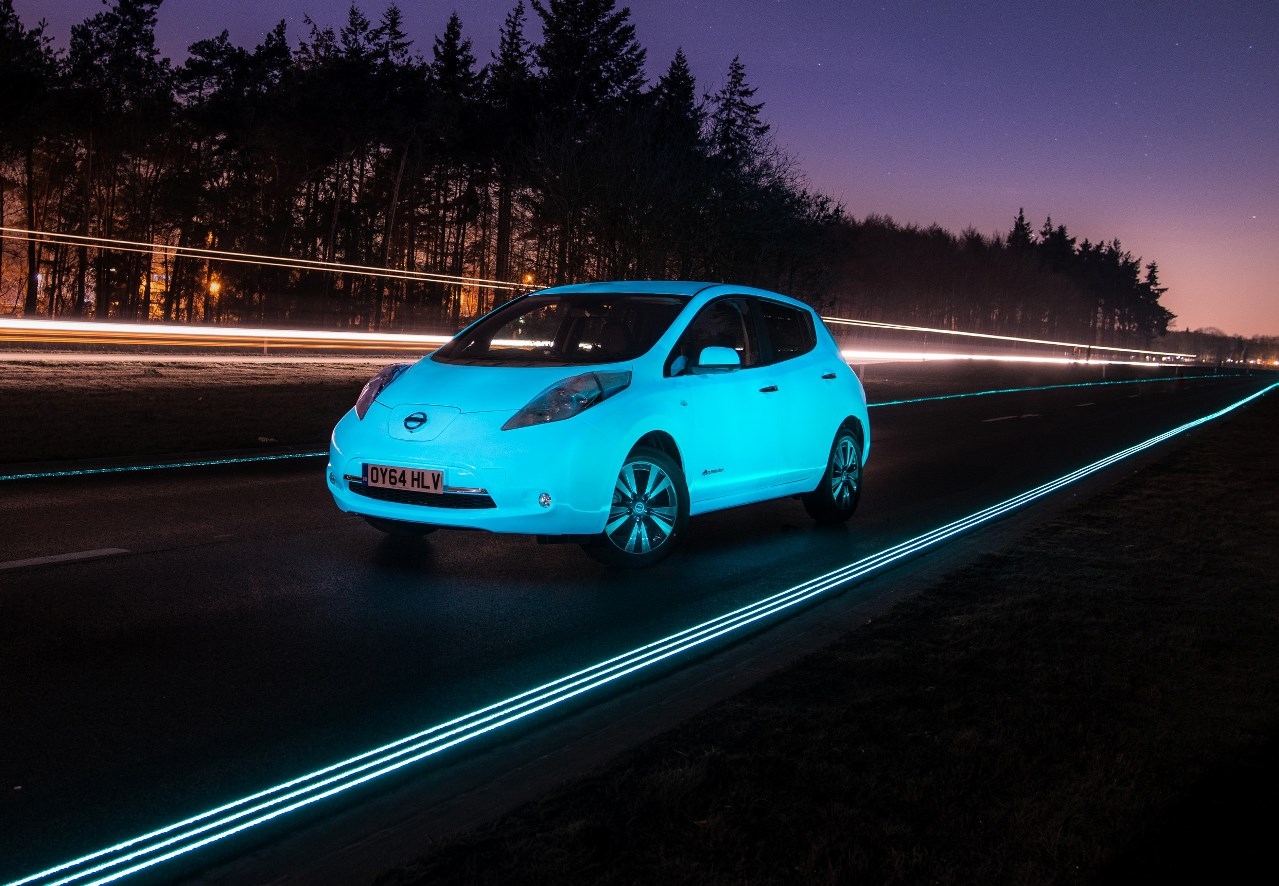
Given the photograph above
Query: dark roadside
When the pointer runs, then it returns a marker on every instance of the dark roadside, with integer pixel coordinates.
(1097, 704)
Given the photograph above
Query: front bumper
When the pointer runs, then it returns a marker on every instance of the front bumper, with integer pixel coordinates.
(494, 480)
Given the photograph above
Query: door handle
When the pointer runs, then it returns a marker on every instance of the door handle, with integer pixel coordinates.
(771, 389)
(828, 376)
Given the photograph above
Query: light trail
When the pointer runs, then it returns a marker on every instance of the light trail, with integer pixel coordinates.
(249, 258)
(173, 335)
(148, 850)
(855, 356)
(1087, 349)
(138, 246)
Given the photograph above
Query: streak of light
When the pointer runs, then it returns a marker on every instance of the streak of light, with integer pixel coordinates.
(870, 324)
(159, 335)
(33, 331)
(148, 850)
(854, 355)
(248, 258)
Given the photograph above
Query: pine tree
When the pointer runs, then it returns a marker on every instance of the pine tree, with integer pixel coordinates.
(738, 137)
(680, 117)
(1019, 238)
(589, 58)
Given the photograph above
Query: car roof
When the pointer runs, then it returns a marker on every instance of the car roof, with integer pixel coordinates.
(687, 288)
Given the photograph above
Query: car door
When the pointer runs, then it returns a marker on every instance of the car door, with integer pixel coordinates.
(728, 417)
(803, 377)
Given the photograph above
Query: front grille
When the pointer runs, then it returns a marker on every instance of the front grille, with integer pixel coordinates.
(454, 500)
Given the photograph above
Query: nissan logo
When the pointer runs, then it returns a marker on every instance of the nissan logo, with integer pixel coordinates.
(415, 422)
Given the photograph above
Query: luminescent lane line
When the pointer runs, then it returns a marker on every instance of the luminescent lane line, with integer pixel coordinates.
(146, 851)
(62, 558)
(159, 466)
(1078, 384)
(1010, 417)
(252, 459)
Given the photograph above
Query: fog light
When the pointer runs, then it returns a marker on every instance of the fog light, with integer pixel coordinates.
(544, 499)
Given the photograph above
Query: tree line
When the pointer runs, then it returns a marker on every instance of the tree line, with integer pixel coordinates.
(554, 160)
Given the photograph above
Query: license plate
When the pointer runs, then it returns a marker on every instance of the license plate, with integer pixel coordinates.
(408, 479)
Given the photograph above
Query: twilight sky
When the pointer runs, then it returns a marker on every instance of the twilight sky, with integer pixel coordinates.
(1153, 121)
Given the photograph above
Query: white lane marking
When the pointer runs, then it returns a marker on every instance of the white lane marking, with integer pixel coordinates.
(1007, 417)
(1081, 405)
(63, 558)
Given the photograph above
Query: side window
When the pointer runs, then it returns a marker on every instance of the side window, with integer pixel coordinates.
(790, 330)
(727, 323)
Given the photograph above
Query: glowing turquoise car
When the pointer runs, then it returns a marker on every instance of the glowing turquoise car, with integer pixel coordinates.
(607, 414)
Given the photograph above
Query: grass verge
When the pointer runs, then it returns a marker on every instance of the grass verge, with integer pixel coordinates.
(1099, 703)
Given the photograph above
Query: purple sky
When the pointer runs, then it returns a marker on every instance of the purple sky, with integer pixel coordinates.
(1154, 121)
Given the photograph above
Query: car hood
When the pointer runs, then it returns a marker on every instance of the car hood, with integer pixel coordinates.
(476, 388)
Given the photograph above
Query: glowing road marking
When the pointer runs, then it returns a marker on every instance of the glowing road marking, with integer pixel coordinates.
(62, 558)
(148, 850)
(161, 466)
(1078, 384)
(251, 459)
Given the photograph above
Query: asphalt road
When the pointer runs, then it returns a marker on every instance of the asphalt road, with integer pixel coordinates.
(223, 630)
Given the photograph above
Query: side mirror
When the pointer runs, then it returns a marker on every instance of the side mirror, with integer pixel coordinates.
(718, 360)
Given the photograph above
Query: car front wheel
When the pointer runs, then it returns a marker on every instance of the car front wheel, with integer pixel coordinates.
(836, 497)
(648, 513)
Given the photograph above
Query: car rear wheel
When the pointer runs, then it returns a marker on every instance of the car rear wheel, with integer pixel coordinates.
(648, 514)
(835, 498)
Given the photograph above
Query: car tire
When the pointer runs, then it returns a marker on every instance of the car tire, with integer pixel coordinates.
(399, 528)
(836, 497)
(649, 512)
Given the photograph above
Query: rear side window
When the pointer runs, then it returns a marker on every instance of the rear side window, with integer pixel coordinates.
(790, 330)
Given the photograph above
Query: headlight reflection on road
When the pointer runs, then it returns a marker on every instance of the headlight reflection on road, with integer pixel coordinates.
(148, 850)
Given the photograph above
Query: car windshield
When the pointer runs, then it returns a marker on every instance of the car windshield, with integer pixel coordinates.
(566, 329)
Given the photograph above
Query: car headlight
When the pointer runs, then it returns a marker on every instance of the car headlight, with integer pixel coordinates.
(376, 385)
(569, 397)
